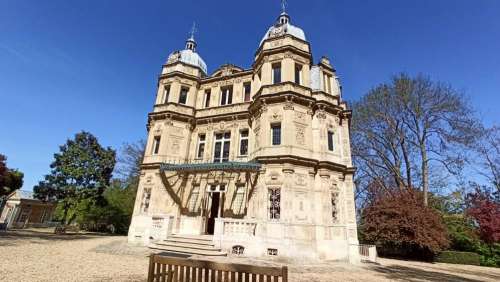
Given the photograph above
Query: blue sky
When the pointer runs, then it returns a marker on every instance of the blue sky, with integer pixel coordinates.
(67, 66)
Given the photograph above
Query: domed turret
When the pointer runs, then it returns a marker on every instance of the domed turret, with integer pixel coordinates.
(189, 55)
(282, 27)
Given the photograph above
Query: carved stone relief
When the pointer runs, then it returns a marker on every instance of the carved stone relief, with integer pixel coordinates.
(300, 179)
(300, 136)
(274, 117)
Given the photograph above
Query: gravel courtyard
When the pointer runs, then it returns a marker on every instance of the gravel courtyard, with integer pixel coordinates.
(39, 255)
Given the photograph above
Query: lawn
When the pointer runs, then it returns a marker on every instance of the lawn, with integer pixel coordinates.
(39, 255)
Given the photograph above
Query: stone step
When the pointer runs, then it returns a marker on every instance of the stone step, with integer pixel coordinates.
(187, 245)
(189, 251)
(188, 241)
(193, 237)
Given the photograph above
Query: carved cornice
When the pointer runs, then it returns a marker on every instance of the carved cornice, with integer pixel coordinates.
(307, 162)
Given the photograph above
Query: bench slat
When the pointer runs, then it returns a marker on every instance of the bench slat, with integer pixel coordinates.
(169, 269)
(266, 270)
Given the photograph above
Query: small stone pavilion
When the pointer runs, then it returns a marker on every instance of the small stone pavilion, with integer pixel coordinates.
(22, 210)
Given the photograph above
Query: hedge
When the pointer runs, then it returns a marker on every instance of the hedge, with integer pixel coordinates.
(458, 257)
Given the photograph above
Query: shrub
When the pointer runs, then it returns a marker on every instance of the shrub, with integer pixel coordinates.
(402, 226)
(458, 258)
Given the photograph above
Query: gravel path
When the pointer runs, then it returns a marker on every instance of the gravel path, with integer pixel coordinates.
(39, 255)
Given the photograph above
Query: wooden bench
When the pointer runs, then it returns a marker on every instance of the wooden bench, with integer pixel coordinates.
(169, 269)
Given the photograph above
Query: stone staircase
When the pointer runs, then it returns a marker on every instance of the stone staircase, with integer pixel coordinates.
(187, 245)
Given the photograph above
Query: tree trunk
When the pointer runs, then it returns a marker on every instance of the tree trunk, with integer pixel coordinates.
(425, 172)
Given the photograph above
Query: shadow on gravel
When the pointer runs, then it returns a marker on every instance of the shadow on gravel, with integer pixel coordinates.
(393, 272)
(11, 237)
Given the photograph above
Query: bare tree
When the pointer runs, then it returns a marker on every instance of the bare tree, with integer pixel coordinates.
(129, 160)
(402, 130)
(488, 159)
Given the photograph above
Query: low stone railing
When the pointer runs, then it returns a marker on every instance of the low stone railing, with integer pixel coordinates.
(368, 253)
(161, 226)
(228, 227)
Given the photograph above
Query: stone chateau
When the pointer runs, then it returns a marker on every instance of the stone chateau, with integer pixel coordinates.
(252, 162)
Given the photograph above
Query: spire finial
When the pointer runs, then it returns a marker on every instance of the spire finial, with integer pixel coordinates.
(193, 31)
(283, 6)
(190, 43)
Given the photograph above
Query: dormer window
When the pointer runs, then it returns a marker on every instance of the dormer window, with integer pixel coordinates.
(226, 96)
(183, 95)
(276, 73)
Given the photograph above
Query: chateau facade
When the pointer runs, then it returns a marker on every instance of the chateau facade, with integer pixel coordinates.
(257, 160)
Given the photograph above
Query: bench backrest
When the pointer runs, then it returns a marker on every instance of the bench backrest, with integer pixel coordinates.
(171, 269)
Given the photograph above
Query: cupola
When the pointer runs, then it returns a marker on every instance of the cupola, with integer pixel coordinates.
(189, 55)
(283, 26)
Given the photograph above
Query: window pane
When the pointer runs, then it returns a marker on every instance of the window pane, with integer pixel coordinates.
(229, 96)
(166, 93)
(274, 203)
(244, 147)
(223, 97)
(217, 152)
(156, 145)
(247, 91)
(298, 70)
(238, 205)
(225, 153)
(244, 133)
(330, 140)
(193, 200)
(276, 134)
(183, 96)
(227, 135)
(207, 99)
(201, 150)
(276, 74)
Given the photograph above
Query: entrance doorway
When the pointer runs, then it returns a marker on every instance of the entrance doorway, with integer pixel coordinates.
(213, 213)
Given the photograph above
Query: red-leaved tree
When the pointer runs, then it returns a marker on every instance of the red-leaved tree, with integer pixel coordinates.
(483, 208)
(400, 224)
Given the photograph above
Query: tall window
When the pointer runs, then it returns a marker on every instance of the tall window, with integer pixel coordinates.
(238, 205)
(193, 199)
(244, 142)
(207, 98)
(201, 146)
(246, 91)
(222, 146)
(298, 74)
(274, 203)
(276, 133)
(146, 196)
(276, 73)
(330, 141)
(226, 96)
(183, 95)
(166, 93)
(156, 145)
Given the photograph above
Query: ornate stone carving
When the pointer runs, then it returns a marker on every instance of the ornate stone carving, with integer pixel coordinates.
(320, 114)
(299, 116)
(300, 136)
(275, 117)
(300, 179)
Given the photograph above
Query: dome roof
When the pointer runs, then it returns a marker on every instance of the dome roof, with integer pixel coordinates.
(189, 57)
(282, 27)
